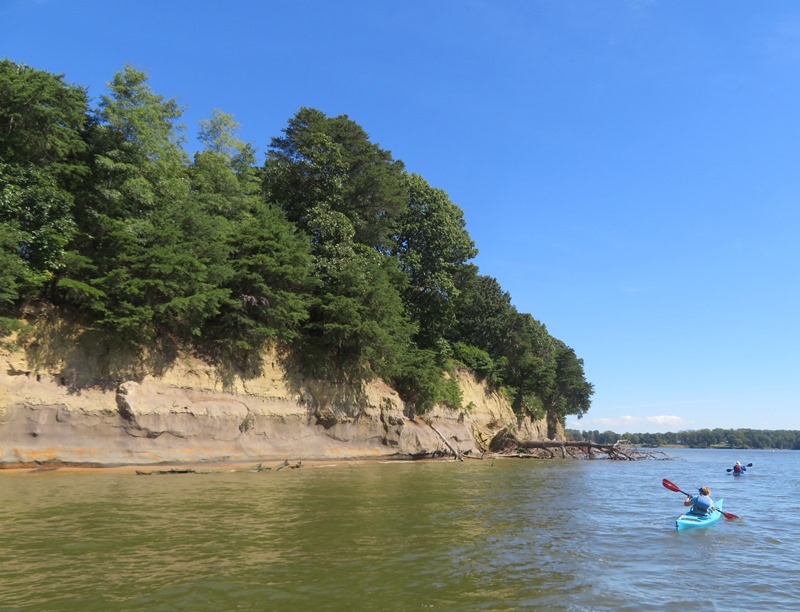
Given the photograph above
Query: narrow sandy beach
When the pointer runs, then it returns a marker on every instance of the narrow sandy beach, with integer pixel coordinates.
(200, 468)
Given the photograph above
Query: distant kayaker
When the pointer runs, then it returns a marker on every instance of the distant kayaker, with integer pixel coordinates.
(739, 468)
(702, 503)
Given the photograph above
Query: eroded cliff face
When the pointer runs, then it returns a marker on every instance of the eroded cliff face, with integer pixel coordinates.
(185, 414)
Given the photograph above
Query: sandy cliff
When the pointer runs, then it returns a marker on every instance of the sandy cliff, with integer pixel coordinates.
(64, 409)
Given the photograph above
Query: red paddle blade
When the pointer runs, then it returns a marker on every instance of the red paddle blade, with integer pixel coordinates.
(671, 486)
(728, 515)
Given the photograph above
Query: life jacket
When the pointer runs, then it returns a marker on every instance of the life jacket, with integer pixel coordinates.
(738, 469)
(701, 504)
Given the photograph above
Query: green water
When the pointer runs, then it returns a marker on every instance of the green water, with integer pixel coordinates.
(478, 535)
(388, 536)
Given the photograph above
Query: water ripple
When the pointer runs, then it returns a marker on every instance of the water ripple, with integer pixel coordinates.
(502, 535)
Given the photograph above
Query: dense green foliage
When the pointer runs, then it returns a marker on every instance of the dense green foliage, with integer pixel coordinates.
(699, 438)
(330, 253)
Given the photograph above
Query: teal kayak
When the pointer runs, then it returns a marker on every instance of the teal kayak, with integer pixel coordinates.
(687, 521)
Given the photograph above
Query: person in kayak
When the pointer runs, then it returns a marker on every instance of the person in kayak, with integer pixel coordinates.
(739, 468)
(701, 504)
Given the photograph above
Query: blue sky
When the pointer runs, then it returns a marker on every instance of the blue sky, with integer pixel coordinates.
(628, 169)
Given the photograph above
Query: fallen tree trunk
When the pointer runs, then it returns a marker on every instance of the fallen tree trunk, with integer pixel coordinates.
(455, 452)
(506, 443)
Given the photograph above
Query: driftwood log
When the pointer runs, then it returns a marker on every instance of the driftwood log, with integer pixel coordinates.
(172, 471)
(455, 451)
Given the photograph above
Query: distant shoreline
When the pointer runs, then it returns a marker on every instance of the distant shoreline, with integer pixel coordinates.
(714, 447)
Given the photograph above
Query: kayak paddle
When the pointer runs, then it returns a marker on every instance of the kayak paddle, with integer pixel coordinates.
(673, 487)
(731, 469)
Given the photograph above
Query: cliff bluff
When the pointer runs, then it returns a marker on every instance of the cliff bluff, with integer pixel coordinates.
(69, 401)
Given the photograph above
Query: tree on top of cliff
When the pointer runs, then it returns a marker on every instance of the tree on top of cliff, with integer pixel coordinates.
(331, 250)
(330, 161)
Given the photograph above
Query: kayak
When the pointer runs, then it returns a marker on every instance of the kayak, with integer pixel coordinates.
(738, 473)
(687, 521)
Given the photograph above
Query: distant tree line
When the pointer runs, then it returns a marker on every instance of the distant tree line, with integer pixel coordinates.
(329, 252)
(699, 438)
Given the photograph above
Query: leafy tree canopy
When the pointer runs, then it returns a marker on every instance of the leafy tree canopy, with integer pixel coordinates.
(42, 119)
(431, 244)
(330, 252)
(330, 160)
(139, 155)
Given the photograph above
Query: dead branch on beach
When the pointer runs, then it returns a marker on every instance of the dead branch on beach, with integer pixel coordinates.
(256, 468)
(505, 443)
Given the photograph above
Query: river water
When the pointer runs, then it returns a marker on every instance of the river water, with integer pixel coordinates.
(479, 535)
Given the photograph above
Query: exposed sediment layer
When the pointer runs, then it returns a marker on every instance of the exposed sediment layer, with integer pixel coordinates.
(182, 415)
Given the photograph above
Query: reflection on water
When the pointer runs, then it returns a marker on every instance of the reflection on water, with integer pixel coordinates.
(495, 535)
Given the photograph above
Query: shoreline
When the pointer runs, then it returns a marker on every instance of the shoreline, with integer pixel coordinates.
(202, 467)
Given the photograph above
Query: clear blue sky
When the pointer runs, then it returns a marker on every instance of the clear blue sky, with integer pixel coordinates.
(629, 169)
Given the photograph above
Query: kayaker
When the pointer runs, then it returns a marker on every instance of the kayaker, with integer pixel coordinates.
(739, 468)
(702, 503)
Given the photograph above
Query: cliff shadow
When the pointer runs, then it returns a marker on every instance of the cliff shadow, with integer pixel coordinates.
(328, 391)
(79, 356)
